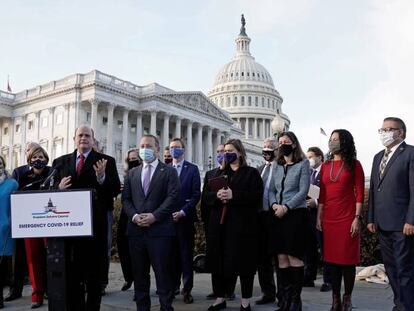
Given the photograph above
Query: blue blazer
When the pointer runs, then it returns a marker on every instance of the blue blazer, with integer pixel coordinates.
(391, 198)
(161, 200)
(190, 190)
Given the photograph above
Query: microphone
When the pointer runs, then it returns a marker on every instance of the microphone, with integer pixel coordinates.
(33, 183)
(51, 176)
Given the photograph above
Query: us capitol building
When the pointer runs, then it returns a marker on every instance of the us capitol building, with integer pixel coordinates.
(241, 104)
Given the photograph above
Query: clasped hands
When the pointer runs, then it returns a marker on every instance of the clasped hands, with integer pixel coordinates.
(280, 210)
(99, 168)
(144, 219)
(408, 229)
(225, 194)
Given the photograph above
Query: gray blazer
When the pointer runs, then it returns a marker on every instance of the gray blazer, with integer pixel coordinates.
(161, 200)
(391, 198)
(290, 189)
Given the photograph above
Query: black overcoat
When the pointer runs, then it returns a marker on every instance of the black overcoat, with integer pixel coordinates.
(232, 246)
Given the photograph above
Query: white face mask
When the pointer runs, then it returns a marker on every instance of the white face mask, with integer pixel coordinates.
(387, 138)
(312, 162)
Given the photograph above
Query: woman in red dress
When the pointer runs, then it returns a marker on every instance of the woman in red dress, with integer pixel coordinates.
(339, 214)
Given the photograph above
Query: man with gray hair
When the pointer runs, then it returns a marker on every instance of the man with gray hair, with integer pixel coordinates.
(265, 267)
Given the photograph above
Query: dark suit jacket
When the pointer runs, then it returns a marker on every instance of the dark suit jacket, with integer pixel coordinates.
(161, 200)
(103, 195)
(20, 171)
(87, 256)
(190, 190)
(391, 199)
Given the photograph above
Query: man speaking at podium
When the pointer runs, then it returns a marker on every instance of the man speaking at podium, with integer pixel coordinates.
(86, 256)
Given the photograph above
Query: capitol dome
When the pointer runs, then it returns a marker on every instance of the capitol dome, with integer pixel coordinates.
(245, 89)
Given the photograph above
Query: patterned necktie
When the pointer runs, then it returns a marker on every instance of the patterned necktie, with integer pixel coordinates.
(384, 162)
(313, 177)
(80, 164)
(266, 172)
(147, 178)
(265, 177)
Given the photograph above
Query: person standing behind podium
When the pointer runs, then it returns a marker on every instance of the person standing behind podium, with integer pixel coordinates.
(391, 209)
(19, 265)
(86, 256)
(232, 249)
(37, 159)
(185, 216)
(149, 198)
(132, 160)
(265, 268)
(7, 186)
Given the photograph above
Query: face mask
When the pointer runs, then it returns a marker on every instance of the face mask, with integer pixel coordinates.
(2, 171)
(286, 150)
(312, 162)
(268, 154)
(176, 152)
(38, 164)
(334, 146)
(219, 157)
(230, 157)
(146, 154)
(133, 163)
(387, 138)
(168, 160)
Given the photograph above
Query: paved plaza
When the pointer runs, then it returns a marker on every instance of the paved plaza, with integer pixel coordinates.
(367, 297)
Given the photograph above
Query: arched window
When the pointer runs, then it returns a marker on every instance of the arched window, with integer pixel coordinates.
(256, 101)
(235, 100)
(242, 101)
(250, 100)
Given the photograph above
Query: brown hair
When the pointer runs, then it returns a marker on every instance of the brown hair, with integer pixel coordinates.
(297, 154)
(36, 150)
(180, 140)
(317, 151)
(240, 148)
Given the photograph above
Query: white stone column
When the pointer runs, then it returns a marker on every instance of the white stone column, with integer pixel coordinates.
(177, 132)
(189, 146)
(153, 126)
(217, 140)
(264, 128)
(246, 127)
(109, 130)
(38, 113)
(94, 113)
(199, 145)
(52, 130)
(209, 152)
(23, 140)
(11, 133)
(139, 127)
(68, 134)
(255, 136)
(166, 130)
(125, 132)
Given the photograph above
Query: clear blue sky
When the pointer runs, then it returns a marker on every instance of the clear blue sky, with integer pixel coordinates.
(336, 63)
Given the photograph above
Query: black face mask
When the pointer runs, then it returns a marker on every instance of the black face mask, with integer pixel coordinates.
(168, 160)
(133, 163)
(286, 150)
(38, 164)
(268, 155)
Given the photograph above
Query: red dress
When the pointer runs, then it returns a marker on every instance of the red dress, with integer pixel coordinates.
(339, 199)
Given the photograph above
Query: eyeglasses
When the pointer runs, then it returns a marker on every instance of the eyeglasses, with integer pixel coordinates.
(388, 129)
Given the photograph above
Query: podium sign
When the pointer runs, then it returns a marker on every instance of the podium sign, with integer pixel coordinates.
(38, 214)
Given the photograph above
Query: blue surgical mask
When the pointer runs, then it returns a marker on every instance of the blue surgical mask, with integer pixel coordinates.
(230, 157)
(220, 157)
(176, 152)
(146, 154)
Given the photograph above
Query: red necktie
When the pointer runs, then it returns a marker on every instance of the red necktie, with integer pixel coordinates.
(80, 163)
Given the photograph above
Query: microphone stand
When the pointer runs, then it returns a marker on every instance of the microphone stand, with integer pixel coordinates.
(56, 266)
